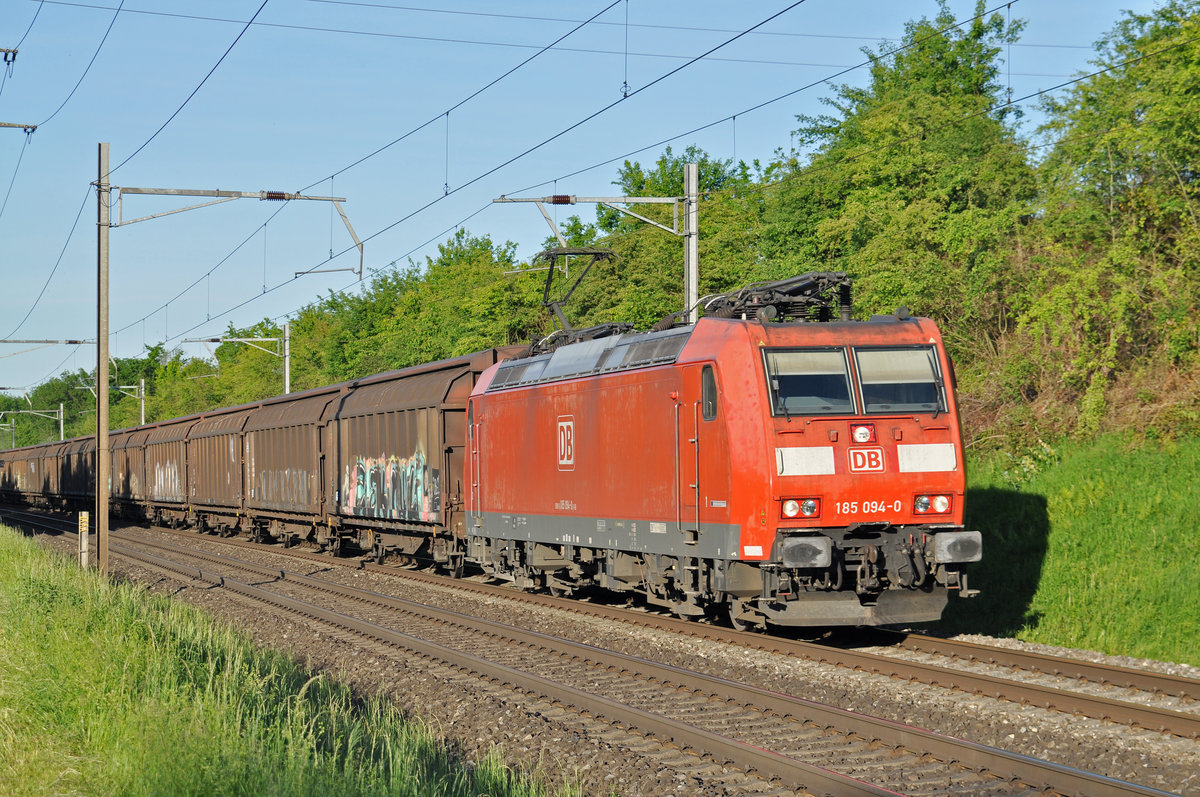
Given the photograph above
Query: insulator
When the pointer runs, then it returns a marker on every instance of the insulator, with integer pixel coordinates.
(562, 199)
(274, 196)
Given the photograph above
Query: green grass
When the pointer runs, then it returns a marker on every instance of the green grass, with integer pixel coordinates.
(107, 690)
(1093, 545)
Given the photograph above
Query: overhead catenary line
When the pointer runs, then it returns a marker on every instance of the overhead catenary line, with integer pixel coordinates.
(372, 154)
(533, 148)
(527, 18)
(10, 56)
(35, 16)
(198, 86)
(468, 98)
(580, 50)
(88, 68)
(519, 17)
(1000, 106)
(139, 149)
(447, 183)
(586, 119)
(761, 105)
(86, 196)
(20, 158)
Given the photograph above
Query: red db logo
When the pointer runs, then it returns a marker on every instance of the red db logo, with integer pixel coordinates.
(866, 460)
(566, 442)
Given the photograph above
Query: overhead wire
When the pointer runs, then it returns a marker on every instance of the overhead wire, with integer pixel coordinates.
(198, 86)
(394, 260)
(8, 62)
(609, 161)
(469, 97)
(582, 121)
(88, 68)
(54, 371)
(711, 124)
(517, 45)
(381, 149)
(16, 169)
(86, 195)
(79, 82)
(959, 121)
(692, 28)
(520, 155)
(25, 35)
(138, 150)
(449, 192)
(997, 107)
(766, 103)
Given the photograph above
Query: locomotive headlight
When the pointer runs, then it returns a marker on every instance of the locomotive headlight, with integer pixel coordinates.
(803, 507)
(863, 433)
(931, 504)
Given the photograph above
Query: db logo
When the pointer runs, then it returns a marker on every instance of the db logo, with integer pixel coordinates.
(566, 442)
(866, 460)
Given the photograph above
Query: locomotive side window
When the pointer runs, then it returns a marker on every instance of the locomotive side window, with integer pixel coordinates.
(808, 381)
(900, 380)
(708, 393)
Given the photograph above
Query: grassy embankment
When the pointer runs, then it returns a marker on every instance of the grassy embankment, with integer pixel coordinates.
(108, 690)
(1091, 545)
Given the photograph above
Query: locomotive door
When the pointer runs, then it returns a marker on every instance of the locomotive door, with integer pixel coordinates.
(702, 477)
(473, 467)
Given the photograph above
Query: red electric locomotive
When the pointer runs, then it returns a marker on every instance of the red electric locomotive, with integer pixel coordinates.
(791, 472)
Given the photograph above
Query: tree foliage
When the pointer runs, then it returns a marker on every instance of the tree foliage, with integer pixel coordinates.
(1117, 263)
(1064, 271)
(915, 182)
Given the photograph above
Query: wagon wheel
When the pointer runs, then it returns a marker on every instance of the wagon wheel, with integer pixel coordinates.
(736, 607)
(557, 588)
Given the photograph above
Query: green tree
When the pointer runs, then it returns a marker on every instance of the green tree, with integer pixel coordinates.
(1118, 251)
(915, 183)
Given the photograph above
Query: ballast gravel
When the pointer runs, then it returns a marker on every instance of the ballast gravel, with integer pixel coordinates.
(561, 748)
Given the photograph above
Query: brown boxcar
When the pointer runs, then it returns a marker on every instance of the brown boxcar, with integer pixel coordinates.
(30, 475)
(216, 476)
(396, 457)
(128, 448)
(283, 460)
(76, 469)
(166, 471)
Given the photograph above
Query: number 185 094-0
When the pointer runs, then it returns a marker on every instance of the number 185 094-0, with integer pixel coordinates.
(868, 507)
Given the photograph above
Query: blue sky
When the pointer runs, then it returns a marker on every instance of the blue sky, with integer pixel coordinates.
(313, 86)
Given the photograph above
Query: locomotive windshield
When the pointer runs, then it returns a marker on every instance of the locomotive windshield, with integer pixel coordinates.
(819, 382)
(808, 381)
(900, 380)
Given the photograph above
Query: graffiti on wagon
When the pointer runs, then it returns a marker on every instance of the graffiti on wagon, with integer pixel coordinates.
(397, 488)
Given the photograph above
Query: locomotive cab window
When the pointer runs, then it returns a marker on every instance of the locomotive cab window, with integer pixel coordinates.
(808, 381)
(708, 393)
(900, 380)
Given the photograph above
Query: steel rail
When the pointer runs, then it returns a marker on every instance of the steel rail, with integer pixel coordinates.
(1169, 721)
(1036, 773)
(1107, 674)
(722, 749)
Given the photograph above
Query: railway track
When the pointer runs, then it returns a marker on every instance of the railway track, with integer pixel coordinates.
(826, 750)
(1138, 698)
